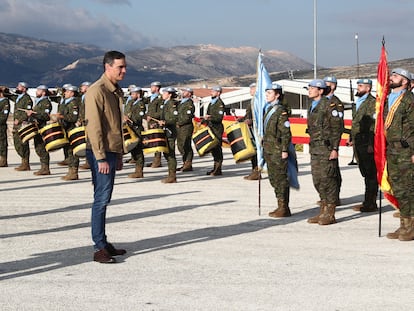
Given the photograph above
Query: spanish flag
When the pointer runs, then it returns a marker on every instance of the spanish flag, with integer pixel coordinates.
(379, 139)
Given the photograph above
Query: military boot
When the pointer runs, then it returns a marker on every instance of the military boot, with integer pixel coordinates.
(72, 174)
(214, 168)
(64, 162)
(401, 230)
(85, 166)
(282, 209)
(187, 167)
(44, 170)
(157, 160)
(370, 204)
(24, 166)
(171, 178)
(138, 173)
(217, 169)
(3, 161)
(396, 214)
(254, 175)
(315, 219)
(328, 216)
(408, 235)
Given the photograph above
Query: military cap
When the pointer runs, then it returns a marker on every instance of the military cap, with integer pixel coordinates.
(24, 84)
(72, 88)
(136, 89)
(156, 83)
(364, 81)
(42, 87)
(318, 83)
(330, 79)
(86, 83)
(169, 90)
(217, 88)
(188, 89)
(252, 85)
(402, 72)
(274, 86)
(66, 85)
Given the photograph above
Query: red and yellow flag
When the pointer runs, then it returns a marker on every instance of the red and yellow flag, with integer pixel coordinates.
(379, 139)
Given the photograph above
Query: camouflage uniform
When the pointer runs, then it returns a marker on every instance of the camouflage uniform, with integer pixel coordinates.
(216, 110)
(325, 127)
(400, 149)
(276, 139)
(185, 128)
(25, 102)
(61, 110)
(170, 114)
(43, 107)
(71, 115)
(4, 114)
(362, 133)
(136, 113)
(249, 116)
(154, 110)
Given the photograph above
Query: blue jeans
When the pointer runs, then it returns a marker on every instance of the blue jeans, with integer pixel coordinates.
(103, 185)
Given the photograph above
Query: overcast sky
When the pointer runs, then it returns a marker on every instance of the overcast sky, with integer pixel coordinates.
(268, 24)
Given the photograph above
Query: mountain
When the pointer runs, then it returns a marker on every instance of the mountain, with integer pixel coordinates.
(52, 63)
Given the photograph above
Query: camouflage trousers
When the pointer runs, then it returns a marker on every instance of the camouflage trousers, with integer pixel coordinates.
(22, 148)
(41, 150)
(170, 156)
(400, 171)
(3, 140)
(73, 160)
(277, 172)
(138, 155)
(184, 135)
(325, 176)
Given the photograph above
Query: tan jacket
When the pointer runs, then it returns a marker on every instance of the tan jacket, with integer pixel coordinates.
(103, 118)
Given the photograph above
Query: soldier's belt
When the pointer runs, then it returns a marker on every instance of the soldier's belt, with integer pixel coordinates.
(402, 144)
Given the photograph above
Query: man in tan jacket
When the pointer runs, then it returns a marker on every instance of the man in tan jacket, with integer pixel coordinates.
(103, 121)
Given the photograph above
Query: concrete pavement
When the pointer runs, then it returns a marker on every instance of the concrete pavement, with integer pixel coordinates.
(199, 244)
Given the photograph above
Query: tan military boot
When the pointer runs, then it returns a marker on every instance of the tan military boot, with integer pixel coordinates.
(254, 175)
(315, 219)
(171, 178)
(187, 167)
(138, 173)
(157, 161)
(408, 234)
(3, 161)
(72, 174)
(394, 235)
(85, 166)
(328, 216)
(217, 169)
(44, 170)
(24, 166)
(282, 210)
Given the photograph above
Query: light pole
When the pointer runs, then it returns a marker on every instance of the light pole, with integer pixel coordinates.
(357, 53)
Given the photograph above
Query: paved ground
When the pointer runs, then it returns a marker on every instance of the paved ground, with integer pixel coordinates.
(199, 244)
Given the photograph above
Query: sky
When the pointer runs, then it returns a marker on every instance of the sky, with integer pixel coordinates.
(127, 25)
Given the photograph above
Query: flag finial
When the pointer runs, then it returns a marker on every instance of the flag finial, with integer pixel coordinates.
(383, 41)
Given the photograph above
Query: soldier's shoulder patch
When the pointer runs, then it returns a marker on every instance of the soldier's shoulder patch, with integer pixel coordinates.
(286, 124)
(221, 112)
(334, 113)
(175, 112)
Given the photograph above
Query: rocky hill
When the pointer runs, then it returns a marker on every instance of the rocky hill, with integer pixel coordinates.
(53, 63)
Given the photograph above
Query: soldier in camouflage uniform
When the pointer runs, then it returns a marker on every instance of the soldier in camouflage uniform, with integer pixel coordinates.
(169, 115)
(399, 130)
(325, 126)
(41, 114)
(4, 114)
(154, 111)
(22, 101)
(214, 118)
(185, 128)
(276, 140)
(133, 115)
(61, 110)
(332, 83)
(69, 119)
(362, 139)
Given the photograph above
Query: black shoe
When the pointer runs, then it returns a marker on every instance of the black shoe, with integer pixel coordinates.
(103, 256)
(113, 251)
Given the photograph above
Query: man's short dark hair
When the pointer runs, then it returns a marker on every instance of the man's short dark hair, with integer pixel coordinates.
(110, 56)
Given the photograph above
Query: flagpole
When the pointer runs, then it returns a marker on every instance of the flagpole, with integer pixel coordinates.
(379, 212)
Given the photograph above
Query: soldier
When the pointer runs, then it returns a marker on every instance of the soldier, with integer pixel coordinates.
(168, 121)
(41, 114)
(185, 128)
(4, 114)
(23, 102)
(81, 121)
(276, 140)
(214, 117)
(61, 109)
(332, 83)
(325, 126)
(362, 133)
(70, 118)
(154, 112)
(133, 116)
(248, 119)
(399, 127)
